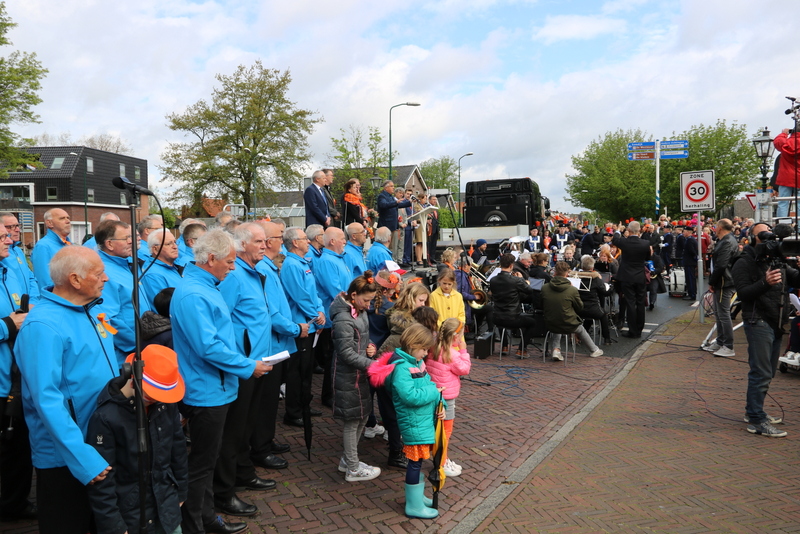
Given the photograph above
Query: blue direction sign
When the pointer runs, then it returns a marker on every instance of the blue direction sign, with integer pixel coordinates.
(636, 156)
(642, 146)
(674, 154)
(674, 145)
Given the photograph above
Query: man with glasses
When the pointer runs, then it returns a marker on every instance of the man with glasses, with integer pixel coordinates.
(354, 250)
(16, 262)
(163, 272)
(116, 245)
(301, 292)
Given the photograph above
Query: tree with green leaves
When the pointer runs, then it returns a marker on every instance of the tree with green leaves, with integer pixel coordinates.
(249, 137)
(358, 154)
(440, 173)
(613, 187)
(20, 81)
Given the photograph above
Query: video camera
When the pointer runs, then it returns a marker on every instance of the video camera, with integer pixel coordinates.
(776, 248)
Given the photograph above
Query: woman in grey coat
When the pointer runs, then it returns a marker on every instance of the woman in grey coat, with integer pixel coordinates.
(353, 352)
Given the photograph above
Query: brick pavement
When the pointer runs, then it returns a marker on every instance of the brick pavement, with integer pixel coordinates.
(667, 451)
(496, 430)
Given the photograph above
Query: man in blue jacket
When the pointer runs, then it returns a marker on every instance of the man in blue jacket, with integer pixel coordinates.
(301, 291)
(16, 260)
(211, 364)
(163, 272)
(64, 370)
(317, 210)
(245, 294)
(116, 245)
(388, 205)
(263, 446)
(379, 253)
(58, 226)
(354, 250)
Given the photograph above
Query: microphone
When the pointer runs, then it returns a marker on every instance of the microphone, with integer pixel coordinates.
(120, 182)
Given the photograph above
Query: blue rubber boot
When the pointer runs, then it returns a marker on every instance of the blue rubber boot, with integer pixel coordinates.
(415, 505)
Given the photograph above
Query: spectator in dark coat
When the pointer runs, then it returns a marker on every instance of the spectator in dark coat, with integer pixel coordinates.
(317, 210)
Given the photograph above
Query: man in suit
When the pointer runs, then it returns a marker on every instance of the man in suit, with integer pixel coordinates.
(336, 217)
(317, 210)
(635, 251)
(388, 205)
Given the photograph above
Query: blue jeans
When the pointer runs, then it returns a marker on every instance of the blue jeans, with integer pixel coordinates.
(783, 205)
(722, 310)
(763, 350)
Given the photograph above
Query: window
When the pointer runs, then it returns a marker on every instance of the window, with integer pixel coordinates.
(90, 195)
(137, 173)
(123, 198)
(57, 163)
(122, 169)
(52, 193)
(90, 165)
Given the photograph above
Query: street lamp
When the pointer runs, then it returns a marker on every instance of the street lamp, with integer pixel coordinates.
(390, 131)
(459, 185)
(85, 200)
(764, 150)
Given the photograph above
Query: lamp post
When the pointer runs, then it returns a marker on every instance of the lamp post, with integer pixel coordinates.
(390, 131)
(85, 200)
(460, 213)
(764, 150)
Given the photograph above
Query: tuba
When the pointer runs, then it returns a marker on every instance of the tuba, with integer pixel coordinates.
(480, 300)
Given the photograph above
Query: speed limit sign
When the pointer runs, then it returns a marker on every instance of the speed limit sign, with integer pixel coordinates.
(697, 191)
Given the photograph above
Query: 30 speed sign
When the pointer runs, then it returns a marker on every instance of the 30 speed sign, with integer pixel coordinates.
(697, 191)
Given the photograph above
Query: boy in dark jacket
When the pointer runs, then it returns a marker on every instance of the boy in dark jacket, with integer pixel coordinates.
(112, 431)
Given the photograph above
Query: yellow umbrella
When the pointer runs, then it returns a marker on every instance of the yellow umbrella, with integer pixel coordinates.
(436, 475)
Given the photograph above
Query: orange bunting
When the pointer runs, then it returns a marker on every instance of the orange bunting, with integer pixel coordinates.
(102, 318)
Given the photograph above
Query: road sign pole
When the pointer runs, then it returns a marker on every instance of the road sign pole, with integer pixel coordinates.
(658, 176)
(699, 278)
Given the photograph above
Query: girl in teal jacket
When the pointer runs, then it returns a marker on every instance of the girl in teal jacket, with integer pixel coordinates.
(415, 398)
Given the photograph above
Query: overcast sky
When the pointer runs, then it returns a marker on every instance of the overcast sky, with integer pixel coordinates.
(522, 84)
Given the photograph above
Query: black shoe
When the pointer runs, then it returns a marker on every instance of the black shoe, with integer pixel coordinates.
(293, 422)
(327, 402)
(398, 459)
(224, 527)
(257, 484)
(234, 506)
(270, 461)
(28, 513)
(319, 370)
(315, 413)
(651, 307)
(607, 341)
(279, 448)
(687, 297)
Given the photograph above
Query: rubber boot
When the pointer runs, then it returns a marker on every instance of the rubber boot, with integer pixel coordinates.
(415, 507)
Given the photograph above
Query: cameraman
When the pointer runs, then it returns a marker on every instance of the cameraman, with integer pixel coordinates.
(762, 292)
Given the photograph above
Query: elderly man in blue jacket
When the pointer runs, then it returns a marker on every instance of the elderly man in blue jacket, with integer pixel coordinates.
(211, 365)
(16, 260)
(263, 447)
(58, 226)
(66, 356)
(163, 272)
(379, 253)
(388, 205)
(301, 291)
(354, 250)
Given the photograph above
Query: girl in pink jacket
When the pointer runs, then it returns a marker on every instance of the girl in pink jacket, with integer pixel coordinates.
(448, 361)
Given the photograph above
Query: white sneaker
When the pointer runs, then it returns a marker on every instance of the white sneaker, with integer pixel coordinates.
(790, 357)
(343, 465)
(557, 355)
(364, 472)
(283, 391)
(451, 469)
(595, 354)
(712, 348)
(371, 432)
(725, 352)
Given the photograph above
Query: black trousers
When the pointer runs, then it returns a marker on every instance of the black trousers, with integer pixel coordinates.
(206, 425)
(63, 503)
(595, 312)
(635, 293)
(265, 401)
(299, 372)
(526, 322)
(16, 468)
(323, 354)
(389, 417)
(239, 423)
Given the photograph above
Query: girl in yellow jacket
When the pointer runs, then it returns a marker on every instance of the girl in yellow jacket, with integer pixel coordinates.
(448, 302)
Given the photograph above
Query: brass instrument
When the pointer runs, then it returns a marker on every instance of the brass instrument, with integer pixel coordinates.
(480, 300)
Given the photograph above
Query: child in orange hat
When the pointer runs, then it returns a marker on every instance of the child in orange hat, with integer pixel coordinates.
(112, 431)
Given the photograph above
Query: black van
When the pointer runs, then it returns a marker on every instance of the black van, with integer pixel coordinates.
(505, 202)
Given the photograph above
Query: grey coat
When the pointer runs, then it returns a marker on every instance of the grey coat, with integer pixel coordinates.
(351, 393)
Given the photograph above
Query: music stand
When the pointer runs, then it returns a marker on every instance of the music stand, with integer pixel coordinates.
(422, 216)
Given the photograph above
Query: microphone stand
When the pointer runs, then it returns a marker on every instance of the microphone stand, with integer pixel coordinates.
(138, 366)
(451, 207)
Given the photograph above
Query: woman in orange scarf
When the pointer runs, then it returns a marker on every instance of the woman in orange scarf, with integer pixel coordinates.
(353, 208)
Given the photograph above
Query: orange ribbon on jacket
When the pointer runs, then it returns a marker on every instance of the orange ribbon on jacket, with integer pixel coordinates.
(102, 318)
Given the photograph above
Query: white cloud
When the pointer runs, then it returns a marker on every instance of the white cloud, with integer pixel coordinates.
(580, 27)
